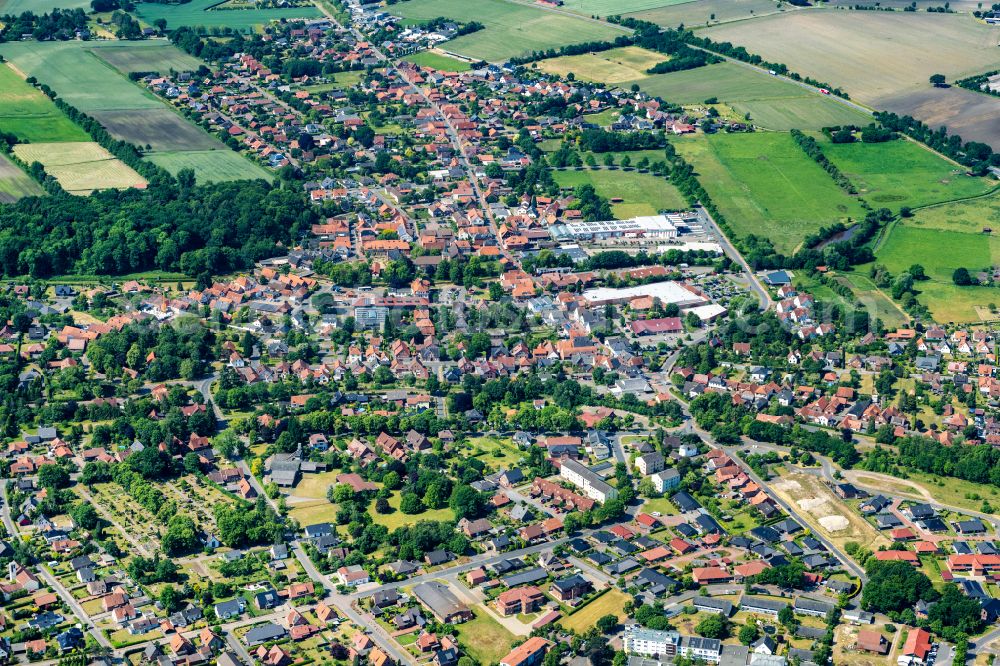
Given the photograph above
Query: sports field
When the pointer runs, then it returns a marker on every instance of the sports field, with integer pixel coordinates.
(764, 184)
(902, 173)
(199, 13)
(772, 103)
(438, 61)
(80, 167)
(511, 28)
(14, 183)
(882, 59)
(628, 63)
(211, 166)
(27, 113)
(704, 12)
(86, 75)
(941, 239)
(640, 193)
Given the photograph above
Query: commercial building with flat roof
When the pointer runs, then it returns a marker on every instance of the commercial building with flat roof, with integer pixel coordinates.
(666, 292)
(660, 227)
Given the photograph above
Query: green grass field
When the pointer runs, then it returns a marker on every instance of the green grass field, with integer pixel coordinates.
(90, 76)
(15, 184)
(199, 13)
(764, 184)
(942, 239)
(772, 102)
(78, 75)
(611, 602)
(608, 7)
(148, 56)
(438, 61)
(628, 63)
(39, 7)
(902, 173)
(641, 193)
(211, 166)
(399, 519)
(30, 115)
(874, 299)
(510, 28)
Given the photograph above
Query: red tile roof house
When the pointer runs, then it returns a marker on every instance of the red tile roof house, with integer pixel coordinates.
(916, 648)
(898, 556)
(710, 575)
(872, 641)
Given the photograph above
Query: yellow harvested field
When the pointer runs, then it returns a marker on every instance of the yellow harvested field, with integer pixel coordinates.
(628, 63)
(869, 54)
(826, 513)
(80, 166)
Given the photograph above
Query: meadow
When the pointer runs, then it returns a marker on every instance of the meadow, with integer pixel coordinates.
(709, 12)
(884, 59)
(78, 75)
(40, 6)
(771, 102)
(902, 173)
(941, 239)
(641, 193)
(14, 183)
(608, 7)
(438, 61)
(764, 184)
(31, 116)
(199, 13)
(511, 29)
(611, 602)
(86, 75)
(398, 519)
(80, 167)
(877, 302)
(628, 63)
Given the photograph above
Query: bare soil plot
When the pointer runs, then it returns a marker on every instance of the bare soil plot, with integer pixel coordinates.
(710, 12)
(80, 167)
(162, 129)
(870, 54)
(825, 513)
(972, 116)
(922, 5)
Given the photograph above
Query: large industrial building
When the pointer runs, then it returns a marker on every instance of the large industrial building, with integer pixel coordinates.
(665, 292)
(661, 227)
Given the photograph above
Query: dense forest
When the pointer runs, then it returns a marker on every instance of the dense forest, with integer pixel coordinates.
(172, 226)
